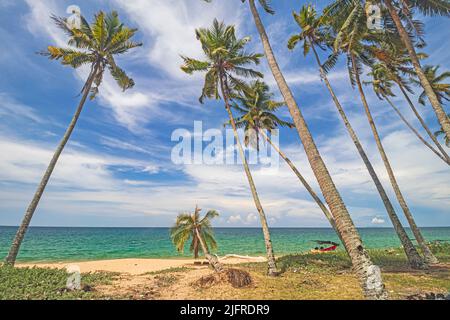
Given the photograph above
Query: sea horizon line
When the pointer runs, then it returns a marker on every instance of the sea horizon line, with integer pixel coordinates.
(165, 227)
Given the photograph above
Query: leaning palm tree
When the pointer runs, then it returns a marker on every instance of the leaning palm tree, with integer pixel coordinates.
(93, 45)
(257, 114)
(382, 86)
(225, 62)
(199, 230)
(427, 8)
(368, 274)
(351, 26)
(394, 64)
(316, 33)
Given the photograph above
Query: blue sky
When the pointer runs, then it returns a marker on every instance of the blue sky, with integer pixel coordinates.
(117, 169)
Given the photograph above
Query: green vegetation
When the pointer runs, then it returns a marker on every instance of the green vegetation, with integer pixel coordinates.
(304, 276)
(47, 284)
(328, 276)
(169, 270)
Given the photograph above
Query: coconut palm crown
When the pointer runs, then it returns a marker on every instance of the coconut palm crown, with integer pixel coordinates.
(226, 60)
(96, 45)
(186, 227)
(314, 30)
(257, 111)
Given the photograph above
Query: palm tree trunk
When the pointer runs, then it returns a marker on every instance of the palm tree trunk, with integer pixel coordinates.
(414, 259)
(316, 198)
(429, 257)
(212, 259)
(303, 181)
(369, 275)
(424, 125)
(272, 268)
(418, 135)
(15, 246)
(437, 107)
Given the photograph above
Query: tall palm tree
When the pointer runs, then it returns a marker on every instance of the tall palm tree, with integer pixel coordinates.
(257, 114)
(199, 230)
(427, 8)
(369, 275)
(352, 31)
(382, 86)
(94, 45)
(225, 62)
(315, 32)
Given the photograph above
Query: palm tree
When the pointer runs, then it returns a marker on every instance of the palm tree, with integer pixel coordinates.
(257, 114)
(314, 33)
(363, 266)
(441, 90)
(94, 45)
(394, 64)
(226, 62)
(199, 230)
(382, 86)
(352, 31)
(427, 8)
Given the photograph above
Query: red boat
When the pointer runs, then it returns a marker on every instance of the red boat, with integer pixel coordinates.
(332, 246)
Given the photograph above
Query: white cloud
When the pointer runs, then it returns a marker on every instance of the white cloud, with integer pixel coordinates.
(377, 220)
(238, 219)
(24, 161)
(169, 27)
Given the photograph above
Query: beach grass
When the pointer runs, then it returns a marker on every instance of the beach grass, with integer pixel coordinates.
(168, 270)
(304, 276)
(47, 284)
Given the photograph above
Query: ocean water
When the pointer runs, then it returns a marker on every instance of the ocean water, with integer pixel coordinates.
(75, 244)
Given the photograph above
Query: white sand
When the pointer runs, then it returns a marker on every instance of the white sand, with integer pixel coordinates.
(133, 266)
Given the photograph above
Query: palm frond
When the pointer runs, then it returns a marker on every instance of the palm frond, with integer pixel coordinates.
(119, 75)
(99, 30)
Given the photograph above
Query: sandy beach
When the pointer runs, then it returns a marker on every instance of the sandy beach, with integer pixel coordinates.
(136, 266)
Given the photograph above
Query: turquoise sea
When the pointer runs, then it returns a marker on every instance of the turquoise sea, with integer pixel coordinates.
(72, 244)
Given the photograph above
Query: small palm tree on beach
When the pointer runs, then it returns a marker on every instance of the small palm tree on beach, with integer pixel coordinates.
(190, 226)
(95, 46)
(227, 61)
